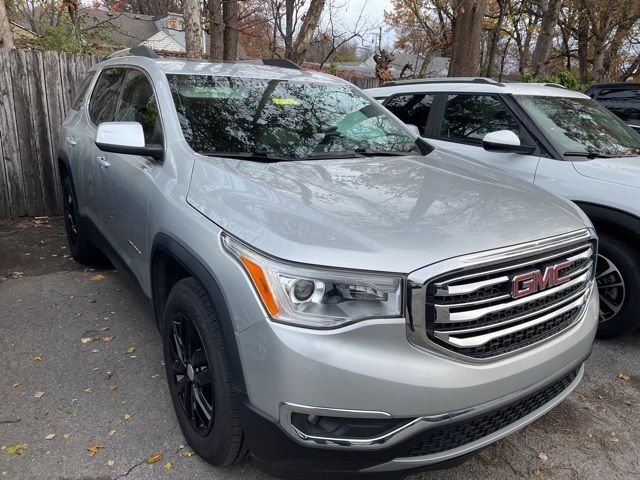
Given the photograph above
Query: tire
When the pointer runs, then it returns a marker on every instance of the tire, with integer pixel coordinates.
(81, 248)
(618, 279)
(199, 377)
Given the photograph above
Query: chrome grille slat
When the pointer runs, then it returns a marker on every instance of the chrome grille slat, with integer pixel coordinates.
(578, 294)
(443, 286)
(493, 303)
(443, 313)
(478, 340)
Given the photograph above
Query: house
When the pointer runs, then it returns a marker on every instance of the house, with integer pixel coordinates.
(127, 30)
(437, 67)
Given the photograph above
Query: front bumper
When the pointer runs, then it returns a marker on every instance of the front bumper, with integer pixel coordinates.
(425, 443)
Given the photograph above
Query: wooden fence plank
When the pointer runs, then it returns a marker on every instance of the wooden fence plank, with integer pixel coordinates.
(10, 151)
(5, 208)
(28, 140)
(39, 114)
(55, 106)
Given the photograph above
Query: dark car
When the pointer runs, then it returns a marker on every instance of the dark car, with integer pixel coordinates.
(623, 99)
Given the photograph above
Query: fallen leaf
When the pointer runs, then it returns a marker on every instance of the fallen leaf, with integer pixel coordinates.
(112, 432)
(111, 463)
(16, 449)
(66, 435)
(108, 339)
(95, 448)
(624, 376)
(112, 387)
(615, 439)
(38, 358)
(537, 472)
(155, 375)
(156, 457)
(86, 339)
(185, 452)
(87, 390)
(543, 456)
(130, 350)
(15, 385)
(104, 329)
(50, 436)
(168, 466)
(38, 395)
(97, 278)
(127, 416)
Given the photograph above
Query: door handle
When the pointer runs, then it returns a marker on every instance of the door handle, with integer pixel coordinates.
(70, 141)
(102, 162)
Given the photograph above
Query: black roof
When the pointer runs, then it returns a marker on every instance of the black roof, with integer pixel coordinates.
(621, 85)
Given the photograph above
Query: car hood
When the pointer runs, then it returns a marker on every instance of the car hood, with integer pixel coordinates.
(623, 171)
(393, 214)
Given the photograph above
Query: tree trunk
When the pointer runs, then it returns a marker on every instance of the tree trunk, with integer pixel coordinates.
(495, 37)
(308, 28)
(230, 11)
(467, 36)
(583, 44)
(545, 38)
(6, 35)
(216, 29)
(288, 32)
(192, 30)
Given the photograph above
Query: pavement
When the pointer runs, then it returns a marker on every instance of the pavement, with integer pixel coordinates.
(83, 392)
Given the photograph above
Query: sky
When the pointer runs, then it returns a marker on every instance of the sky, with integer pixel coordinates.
(373, 10)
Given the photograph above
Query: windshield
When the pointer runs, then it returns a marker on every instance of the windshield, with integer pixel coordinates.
(282, 119)
(580, 125)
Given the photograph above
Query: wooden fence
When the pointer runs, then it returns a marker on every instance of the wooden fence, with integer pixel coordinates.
(36, 89)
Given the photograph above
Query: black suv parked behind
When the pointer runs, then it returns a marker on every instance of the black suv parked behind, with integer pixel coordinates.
(623, 99)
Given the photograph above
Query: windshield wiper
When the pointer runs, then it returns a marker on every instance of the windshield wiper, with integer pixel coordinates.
(593, 154)
(357, 153)
(251, 156)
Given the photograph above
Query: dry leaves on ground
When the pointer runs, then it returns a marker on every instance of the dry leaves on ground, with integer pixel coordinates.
(95, 448)
(16, 449)
(97, 278)
(624, 376)
(154, 458)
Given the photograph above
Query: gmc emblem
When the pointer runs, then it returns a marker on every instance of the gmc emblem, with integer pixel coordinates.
(536, 281)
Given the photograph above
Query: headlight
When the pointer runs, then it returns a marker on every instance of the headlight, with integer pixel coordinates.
(318, 297)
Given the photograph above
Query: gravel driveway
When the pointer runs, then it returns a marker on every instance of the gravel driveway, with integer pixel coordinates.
(83, 392)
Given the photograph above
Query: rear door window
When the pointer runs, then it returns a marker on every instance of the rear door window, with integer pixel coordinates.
(82, 91)
(104, 99)
(468, 118)
(412, 109)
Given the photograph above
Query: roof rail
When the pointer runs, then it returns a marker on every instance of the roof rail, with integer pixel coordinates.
(138, 51)
(280, 62)
(485, 81)
(555, 85)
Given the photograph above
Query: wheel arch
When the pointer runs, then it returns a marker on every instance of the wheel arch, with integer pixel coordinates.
(170, 263)
(613, 221)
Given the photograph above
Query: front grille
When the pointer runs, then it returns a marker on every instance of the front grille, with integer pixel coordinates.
(476, 314)
(447, 438)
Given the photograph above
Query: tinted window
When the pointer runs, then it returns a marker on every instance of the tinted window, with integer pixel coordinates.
(138, 104)
(624, 103)
(411, 109)
(284, 118)
(105, 95)
(82, 91)
(471, 117)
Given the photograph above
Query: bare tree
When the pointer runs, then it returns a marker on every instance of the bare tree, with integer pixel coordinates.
(467, 38)
(6, 35)
(192, 19)
(545, 38)
(230, 17)
(216, 29)
(307, 29)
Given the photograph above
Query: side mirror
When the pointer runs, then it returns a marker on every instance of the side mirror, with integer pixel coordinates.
(505, 141)
(126, 138)
(413, 128)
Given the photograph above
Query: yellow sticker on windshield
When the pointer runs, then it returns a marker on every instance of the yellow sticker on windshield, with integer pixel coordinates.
(285, 101)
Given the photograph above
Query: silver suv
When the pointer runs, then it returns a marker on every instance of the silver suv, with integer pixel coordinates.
(333, 295)
(556, 138)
